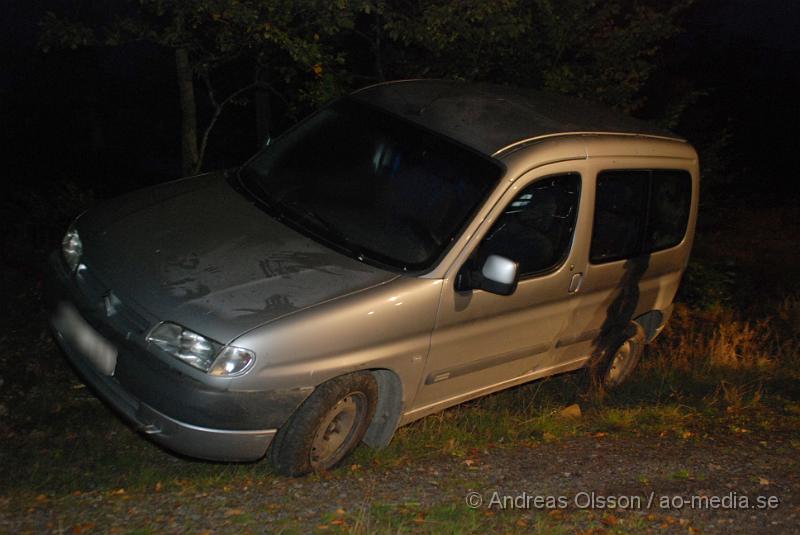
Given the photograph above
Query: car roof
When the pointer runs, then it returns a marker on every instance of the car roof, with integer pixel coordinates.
(493, 119)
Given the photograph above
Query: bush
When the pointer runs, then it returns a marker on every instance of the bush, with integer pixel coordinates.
(706, 286)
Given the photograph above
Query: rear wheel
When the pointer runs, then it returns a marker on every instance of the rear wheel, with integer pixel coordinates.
(327, 426)
(619, 364)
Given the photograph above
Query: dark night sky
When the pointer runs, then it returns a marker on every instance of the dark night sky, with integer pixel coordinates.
(107, 118)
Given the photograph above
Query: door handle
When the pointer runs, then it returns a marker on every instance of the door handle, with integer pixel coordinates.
(575, 282)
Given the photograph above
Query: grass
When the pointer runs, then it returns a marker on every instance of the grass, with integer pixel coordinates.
(709, 368)
(716, 366)
(728, 362)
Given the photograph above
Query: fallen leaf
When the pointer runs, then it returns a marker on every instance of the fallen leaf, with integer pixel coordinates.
(469, 462)
(571, 411)
(233, 512)
(763, 481)
(609, 520)
(158, 486)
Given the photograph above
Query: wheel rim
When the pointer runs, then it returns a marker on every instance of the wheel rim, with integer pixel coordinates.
(338, 429)
(620, 364)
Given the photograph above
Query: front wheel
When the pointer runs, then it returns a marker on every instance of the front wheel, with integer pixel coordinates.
(327, 426)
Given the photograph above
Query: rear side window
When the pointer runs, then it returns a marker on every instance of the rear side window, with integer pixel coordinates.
(619, 214)
(639, 212)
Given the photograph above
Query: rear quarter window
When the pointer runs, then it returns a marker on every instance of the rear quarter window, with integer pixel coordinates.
(639, 212)
(670, 194)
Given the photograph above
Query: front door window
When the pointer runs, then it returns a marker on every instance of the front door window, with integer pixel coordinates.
(536, 228)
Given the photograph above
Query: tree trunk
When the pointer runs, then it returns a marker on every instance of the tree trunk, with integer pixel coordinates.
(189, 152)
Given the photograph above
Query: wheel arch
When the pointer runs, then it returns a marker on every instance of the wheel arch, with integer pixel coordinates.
(653, 322)
(388, 411)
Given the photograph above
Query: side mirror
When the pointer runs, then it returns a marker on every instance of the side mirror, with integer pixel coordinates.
(499, 275)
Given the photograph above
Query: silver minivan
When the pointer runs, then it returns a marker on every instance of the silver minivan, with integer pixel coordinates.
(412, 246)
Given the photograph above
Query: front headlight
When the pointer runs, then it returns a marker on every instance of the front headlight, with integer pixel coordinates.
(201, 352)
(72, 248)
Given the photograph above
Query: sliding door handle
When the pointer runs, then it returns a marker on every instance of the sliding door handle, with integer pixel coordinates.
(575, 282)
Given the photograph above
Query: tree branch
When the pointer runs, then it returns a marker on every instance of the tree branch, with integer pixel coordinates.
(218, 107)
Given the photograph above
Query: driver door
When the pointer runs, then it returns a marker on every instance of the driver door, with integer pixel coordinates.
(483, 341)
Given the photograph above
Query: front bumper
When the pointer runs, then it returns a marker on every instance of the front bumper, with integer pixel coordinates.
(172, 408)
(181, 437)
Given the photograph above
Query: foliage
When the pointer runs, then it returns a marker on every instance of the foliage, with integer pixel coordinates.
(287, 37)
(707, 286)
(285, 44)
(309, 51)
(601, 50)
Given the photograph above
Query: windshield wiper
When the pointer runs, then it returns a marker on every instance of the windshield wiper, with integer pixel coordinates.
(331, 233)
(254, 190)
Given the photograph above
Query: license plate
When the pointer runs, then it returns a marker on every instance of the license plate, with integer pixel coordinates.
(100, 352)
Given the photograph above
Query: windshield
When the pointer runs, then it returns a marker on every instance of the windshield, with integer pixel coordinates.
(372, 184)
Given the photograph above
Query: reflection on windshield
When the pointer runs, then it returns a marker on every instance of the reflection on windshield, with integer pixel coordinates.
(372, 184)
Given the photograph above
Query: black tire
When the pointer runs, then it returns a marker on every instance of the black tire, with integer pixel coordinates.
(327, 426)
(618, 364)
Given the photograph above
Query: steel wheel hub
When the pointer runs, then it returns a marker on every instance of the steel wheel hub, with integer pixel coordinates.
(336, 431)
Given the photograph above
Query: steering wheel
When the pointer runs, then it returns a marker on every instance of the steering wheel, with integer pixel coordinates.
(421, 232)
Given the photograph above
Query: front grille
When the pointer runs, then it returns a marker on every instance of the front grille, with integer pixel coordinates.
(89, 284)
(125, 316)
(121, 316)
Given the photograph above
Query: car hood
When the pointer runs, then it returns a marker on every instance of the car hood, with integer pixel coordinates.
(199, 253)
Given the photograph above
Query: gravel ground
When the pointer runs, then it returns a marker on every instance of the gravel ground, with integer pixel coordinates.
(582, 472)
